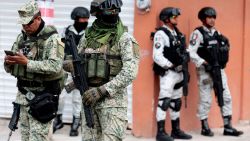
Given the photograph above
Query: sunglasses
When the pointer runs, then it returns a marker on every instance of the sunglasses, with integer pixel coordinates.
(32, 20)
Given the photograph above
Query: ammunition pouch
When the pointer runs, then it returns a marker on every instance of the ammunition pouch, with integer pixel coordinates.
(223, 57)
(97, 69)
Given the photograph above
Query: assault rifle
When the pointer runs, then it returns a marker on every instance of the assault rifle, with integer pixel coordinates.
(80, 80)
(14, 118)
(215, 72)
(184, 55)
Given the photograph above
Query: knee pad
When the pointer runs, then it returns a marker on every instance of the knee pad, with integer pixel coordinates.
(165, 104)
(177, 104)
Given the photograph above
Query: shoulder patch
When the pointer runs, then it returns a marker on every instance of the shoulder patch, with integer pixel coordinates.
(193, 39)
(157, 45)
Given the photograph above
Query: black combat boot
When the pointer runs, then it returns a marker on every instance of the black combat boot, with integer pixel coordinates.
(228, 129)
(161, 133)
(206, 131)
(57, 124)
(177, 133)
(74, 126)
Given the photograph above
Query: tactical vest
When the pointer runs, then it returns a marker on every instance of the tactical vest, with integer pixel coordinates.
(76, 38)
(217, 40)
(33, 50)
(104, 63)
(174, 52)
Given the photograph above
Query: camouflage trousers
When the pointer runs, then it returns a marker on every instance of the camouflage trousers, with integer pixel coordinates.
(167, 83)
(205, 91)
(32, 129)
(109, 125)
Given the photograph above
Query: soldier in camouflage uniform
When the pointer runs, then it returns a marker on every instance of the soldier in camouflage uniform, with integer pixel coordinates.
(115, 53)
(37, 65)
(203, 39)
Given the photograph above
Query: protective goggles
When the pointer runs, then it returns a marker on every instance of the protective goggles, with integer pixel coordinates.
(108, 4)
(111, 11)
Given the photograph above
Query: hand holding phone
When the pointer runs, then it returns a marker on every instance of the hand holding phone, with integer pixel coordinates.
(8, 52)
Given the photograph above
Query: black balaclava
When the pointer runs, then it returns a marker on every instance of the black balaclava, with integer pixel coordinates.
(109, 19)
(80, 26)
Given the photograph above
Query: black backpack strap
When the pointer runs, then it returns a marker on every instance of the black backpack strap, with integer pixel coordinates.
(203, 32)
(67, 30)
(168, 33)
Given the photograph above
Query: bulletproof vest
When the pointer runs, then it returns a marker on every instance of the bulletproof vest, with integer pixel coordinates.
(177, 46)
(33, 49)
(174, 53)
(76, 38)
(104, 63)
(220, 42)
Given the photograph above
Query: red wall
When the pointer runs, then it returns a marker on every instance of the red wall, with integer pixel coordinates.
(245, 112)
(232, 20)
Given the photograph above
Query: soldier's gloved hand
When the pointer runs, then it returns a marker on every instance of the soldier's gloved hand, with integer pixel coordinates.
(68, 65)
(91, 96)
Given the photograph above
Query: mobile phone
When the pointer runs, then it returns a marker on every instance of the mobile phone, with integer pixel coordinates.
(11, 53)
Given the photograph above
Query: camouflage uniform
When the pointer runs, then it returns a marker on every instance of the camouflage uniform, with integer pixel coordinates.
(110, 114)
(45, 64)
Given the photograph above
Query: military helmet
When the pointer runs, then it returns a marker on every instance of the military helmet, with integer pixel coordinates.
(101, 5)
(168, 12)
(79, 12)
(206, 12)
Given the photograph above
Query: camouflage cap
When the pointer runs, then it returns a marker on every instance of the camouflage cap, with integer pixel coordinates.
(27, 12)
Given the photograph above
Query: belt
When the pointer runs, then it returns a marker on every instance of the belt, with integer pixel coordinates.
(26, 83)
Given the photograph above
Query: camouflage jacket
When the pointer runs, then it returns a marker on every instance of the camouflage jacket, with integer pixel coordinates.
(128, 49)
(45, 60)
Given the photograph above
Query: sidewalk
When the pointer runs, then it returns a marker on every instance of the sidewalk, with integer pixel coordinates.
(62, 135)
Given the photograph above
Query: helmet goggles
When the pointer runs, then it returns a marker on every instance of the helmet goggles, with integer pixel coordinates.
(108, 4)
